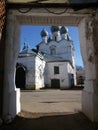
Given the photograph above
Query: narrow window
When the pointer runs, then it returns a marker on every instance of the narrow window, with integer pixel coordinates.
(53, 51)
(55, 38)
(56, 70)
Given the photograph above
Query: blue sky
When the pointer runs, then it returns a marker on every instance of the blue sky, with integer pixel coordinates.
(31, 36)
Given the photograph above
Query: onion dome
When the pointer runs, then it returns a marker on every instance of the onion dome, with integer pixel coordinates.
(55, 28)
(49, 39)
(44, 33)
(64, 30)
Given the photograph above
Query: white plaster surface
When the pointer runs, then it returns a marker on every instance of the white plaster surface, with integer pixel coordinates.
(89, 96)
(64, 69)
(11, 98)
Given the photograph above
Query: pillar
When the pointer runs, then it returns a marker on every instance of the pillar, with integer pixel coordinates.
(11, 96)
(89, 94)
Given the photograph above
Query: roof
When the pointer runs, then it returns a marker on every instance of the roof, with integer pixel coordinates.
(60, 60)
(52, 58)
(44, 33)
(27, 52)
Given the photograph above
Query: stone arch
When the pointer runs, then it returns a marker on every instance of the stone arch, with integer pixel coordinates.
(84, 22)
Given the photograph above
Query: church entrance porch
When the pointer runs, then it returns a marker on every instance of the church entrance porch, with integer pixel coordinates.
(55, 83)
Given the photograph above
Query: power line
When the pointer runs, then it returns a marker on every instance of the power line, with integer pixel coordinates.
(26, 11)
(58, 13)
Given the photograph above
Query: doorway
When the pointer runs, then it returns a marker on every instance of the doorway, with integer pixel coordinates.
(55, 83)
(20, 78)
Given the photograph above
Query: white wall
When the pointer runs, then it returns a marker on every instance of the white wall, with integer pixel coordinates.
(39, 72)
(63, 49)
(35, 71)
(90, 92)
(29, 62)
(64, 69)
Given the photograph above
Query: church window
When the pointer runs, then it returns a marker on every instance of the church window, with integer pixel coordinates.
(56, 70)
(55, 38)
(52, 50)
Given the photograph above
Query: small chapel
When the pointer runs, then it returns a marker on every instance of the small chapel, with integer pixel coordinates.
(50, 65)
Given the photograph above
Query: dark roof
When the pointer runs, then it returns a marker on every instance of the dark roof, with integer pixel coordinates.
(44, 33)
(55, 28)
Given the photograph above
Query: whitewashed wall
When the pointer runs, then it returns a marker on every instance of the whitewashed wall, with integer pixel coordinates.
(63, 49)
(39, 72)
(64, 69)
(71, 70)
(29, 62)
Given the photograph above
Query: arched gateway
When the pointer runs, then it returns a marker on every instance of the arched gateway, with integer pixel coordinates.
(20, 78)
(87, 22)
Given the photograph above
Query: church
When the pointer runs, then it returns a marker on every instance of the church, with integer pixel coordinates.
(50, 65)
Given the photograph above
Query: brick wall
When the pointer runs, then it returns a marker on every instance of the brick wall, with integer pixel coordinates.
(2, 14)
(2, 49)
(2, 19)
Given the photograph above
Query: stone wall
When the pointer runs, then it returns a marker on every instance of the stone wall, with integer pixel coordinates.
(2, 48)
(88, 29)
(2, 20)
(2, 15)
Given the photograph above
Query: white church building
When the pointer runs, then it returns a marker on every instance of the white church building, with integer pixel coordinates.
(50, 65)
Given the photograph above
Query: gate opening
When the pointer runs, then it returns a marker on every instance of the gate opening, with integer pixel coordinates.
(29, 50)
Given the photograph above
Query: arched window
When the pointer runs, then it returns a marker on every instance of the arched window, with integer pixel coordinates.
(53, 50)
(55, 38)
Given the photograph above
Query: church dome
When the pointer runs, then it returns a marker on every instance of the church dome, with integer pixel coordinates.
(64, 30)
(55, 28)
(44, 33)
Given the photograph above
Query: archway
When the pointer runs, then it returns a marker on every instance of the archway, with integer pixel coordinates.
(86, 24)
(20, 78)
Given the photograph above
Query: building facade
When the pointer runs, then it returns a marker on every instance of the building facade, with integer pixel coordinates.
(51, 64)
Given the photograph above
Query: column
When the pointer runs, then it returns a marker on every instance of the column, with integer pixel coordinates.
(11, 96)
(89, 95)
